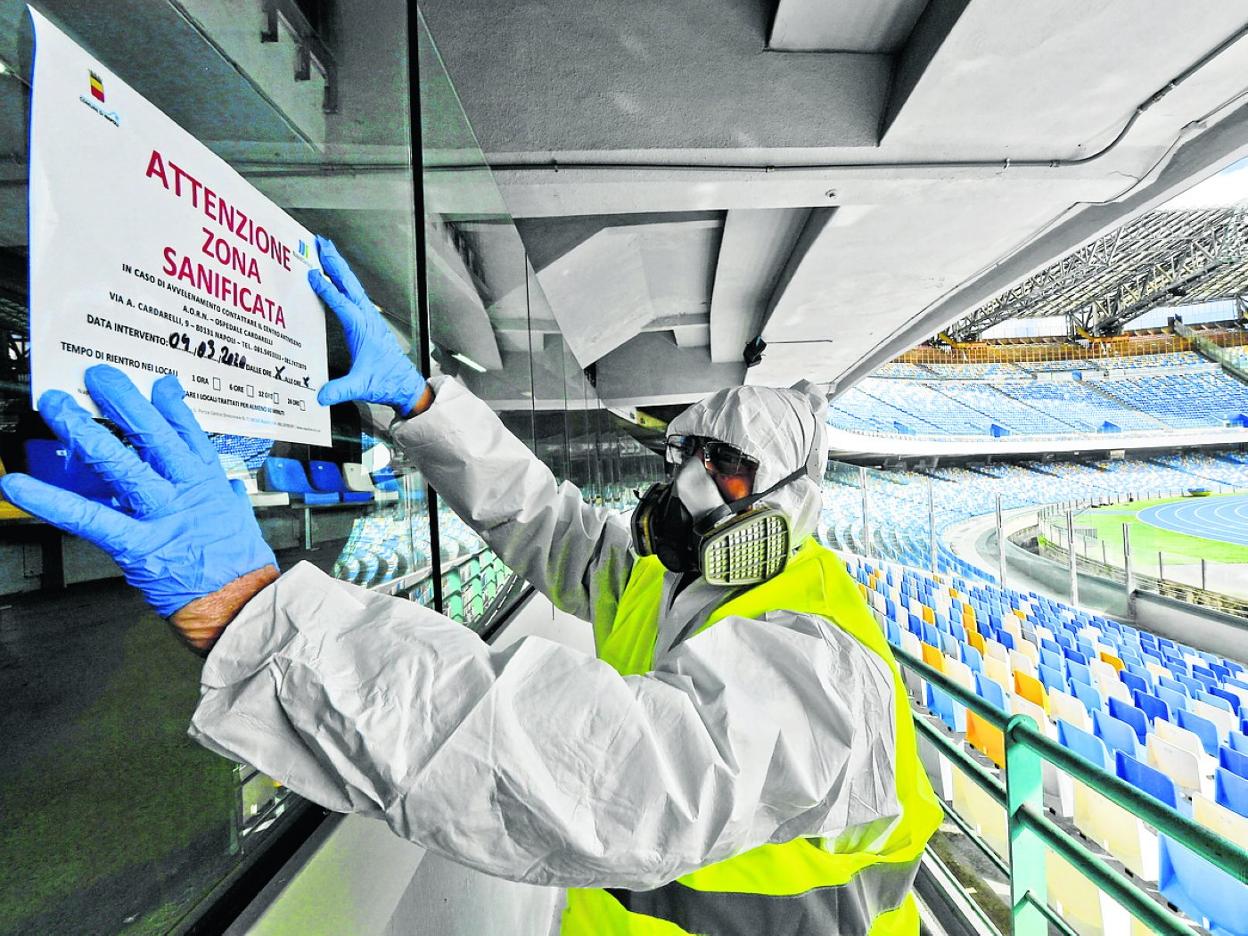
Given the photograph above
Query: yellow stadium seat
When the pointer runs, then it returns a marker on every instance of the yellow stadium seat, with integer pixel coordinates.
(7, 510)
(985, 738)
(975, 640)
(933, 657)
(1112, 660)
(1032, 690)
(929, 615)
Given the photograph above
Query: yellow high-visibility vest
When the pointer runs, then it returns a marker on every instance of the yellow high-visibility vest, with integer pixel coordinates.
(768, 888)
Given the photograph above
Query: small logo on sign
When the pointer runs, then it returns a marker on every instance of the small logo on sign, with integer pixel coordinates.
(95, 84)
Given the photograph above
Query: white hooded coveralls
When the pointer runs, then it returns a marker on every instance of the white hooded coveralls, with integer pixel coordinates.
(539, 763)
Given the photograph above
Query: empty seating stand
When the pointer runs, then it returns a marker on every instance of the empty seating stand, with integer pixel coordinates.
(357, 479)
(287, 475)
(236, 470)
(1165, 717)
(327, 477)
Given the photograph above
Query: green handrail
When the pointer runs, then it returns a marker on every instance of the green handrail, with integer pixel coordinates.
(1030, 831)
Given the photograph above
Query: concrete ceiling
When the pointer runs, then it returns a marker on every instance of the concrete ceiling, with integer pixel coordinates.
(671, 178)
(858, 173)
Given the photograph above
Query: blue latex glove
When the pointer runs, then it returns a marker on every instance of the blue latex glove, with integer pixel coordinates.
(380, 371)
(182, 530)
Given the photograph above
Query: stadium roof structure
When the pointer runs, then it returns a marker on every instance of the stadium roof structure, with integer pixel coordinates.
(1168, 258)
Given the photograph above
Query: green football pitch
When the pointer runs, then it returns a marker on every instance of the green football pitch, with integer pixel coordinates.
(1148, 540)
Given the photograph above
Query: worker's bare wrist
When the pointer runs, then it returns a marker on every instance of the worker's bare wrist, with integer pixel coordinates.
(423, 403)
(201, 623)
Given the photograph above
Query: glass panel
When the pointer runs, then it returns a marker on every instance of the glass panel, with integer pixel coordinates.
(114, 821)
(492, 328)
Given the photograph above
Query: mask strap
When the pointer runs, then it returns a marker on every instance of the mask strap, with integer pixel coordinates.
(745, 503)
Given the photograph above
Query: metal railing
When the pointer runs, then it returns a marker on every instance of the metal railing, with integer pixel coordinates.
(1030, 832)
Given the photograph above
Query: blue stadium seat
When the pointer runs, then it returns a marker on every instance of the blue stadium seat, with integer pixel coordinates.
(50, 460)
(1215, 701)
(1175, 700)
(1052, 659)
(1133, 716)
(1083, 743)
(1166, 682)
(287, 475)
(1079, 672)
(942, 706)
(1152, 781)
(1238, 741)
(972, 658)
(892, 631)
(1051, 678)
(1151, 706)
(1205, 674)
(327, 476)
(1233, 700)
(1201, 890)
(1117, 734)
(989, 691)
(386, 481)
(1090, 698)
(1234, 761)
(1230, 790)
(1132, 681)
(1204, 729)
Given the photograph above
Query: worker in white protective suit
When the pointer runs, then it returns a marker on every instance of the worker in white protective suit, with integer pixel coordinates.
(738, 759)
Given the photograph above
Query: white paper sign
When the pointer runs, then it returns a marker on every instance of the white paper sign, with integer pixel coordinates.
(148, 252)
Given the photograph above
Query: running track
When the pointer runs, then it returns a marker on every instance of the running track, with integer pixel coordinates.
(1216, 518)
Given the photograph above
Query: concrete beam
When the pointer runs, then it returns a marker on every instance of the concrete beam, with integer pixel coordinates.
(819, 26)
(651, 370)
(595, 76)
(752, 253)
(929, 33)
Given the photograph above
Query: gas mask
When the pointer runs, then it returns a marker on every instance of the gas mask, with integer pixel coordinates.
(733, 542)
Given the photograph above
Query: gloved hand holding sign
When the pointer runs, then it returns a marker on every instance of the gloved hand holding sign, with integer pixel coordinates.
(380, 371)
(181, 531)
